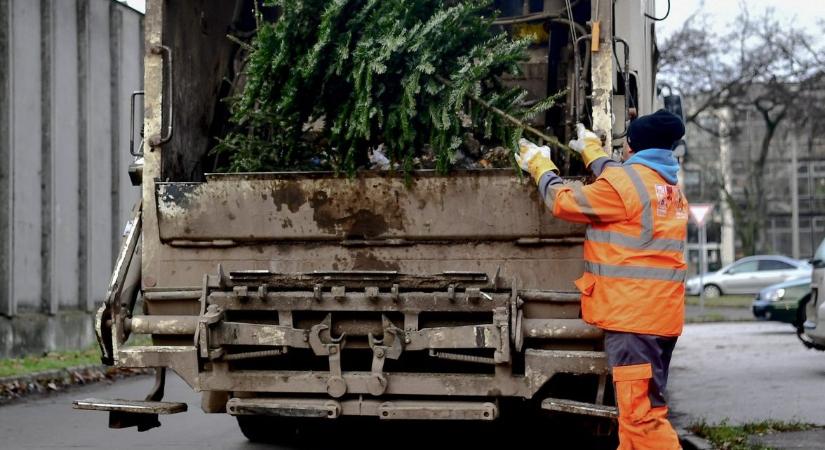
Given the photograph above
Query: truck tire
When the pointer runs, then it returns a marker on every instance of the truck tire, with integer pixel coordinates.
(268, 430)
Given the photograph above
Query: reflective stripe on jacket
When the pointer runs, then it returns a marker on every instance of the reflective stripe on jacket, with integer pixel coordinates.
(633, 251)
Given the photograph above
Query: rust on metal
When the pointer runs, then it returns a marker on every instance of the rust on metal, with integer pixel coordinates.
(602, 73)
(129, 406)
(320, 409)
(286, 207)
(560, 329)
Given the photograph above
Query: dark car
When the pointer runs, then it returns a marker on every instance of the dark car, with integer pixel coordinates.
(779, 301)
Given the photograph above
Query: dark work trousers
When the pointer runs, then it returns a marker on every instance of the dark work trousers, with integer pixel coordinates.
(627, 349)
(639, 364)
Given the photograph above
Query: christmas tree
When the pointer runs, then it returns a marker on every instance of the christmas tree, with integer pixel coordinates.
(331, 80)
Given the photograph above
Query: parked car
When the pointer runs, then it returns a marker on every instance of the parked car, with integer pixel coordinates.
(812, 331)
(779, 301)
(749, 275)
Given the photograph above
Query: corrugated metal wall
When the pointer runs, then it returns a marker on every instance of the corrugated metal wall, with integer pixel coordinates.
(67, 68)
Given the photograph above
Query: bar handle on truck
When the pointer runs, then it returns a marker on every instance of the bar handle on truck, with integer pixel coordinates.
(626, 79)
(158, 140)
(132, 151)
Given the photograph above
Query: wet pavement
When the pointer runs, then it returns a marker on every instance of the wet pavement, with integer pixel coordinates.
(746, 372)
(50, 423)
(742, 372)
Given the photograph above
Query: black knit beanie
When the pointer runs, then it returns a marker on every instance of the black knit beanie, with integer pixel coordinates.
(661, 129)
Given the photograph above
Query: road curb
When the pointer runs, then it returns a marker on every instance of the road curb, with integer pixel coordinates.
(691, 441)
(19, 386)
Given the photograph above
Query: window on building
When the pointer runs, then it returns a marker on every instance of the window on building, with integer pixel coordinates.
(803, 189)
(693, 178)
(774, 264)
(781, 222)
(819, 186)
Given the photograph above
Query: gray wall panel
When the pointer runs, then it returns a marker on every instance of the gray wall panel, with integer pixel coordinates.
(67, 68)
(65, 155)
(131, 79)
(26, 154)
(99, 154)
(6, 299)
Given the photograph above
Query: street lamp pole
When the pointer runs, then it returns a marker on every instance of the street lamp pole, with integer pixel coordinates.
(794, 197)
(703, 265)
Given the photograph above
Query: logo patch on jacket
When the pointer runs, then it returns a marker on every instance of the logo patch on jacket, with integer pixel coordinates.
(670, 202)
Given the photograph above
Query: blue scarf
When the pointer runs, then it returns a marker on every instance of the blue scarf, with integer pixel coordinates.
(660, 160)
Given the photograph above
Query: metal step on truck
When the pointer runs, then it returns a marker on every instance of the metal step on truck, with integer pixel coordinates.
(313, 297)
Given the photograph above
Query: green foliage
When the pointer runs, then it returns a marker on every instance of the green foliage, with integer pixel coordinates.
(735, 437)
(729, 301)
(331, 79)
(48, 361)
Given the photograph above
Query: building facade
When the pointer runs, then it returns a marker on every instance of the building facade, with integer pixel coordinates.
(722, 151)
(67, 69)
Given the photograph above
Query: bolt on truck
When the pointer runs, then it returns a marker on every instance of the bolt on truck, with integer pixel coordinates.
(312, 297)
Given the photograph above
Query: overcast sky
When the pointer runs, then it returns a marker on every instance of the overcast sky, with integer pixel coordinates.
(139, 5)
(804, 13)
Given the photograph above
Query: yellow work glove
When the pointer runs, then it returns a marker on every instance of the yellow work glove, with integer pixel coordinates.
(588, 145)
(534, 159)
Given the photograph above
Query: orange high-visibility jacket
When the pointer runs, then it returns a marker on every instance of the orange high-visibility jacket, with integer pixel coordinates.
(633, 250)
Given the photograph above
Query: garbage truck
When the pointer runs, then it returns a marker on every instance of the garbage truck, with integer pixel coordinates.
(309, 296)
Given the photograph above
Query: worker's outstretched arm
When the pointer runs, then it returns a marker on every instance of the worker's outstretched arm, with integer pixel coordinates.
(595, 203)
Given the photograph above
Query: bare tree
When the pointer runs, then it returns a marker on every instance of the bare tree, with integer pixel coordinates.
(761, 65)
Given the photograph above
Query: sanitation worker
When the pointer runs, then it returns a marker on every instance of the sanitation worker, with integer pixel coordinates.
(634, 267)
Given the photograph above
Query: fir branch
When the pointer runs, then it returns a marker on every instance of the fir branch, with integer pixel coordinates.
(404, 74)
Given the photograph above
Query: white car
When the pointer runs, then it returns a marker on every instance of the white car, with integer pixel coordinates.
(749, 275)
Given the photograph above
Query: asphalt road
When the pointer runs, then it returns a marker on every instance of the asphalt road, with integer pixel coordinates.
(746, 372)
(736, 371)
(50, 423)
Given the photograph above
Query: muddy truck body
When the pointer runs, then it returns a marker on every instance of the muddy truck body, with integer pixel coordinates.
(315, 296)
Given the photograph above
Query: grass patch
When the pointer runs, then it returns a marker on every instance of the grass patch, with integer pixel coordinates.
(708, 318)
(723, 301)
(61, 359)
(49, 361)
(137, 340)
(735, 437)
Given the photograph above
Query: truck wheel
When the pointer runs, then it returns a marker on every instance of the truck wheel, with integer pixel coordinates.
(269, 430)
(801, 314)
